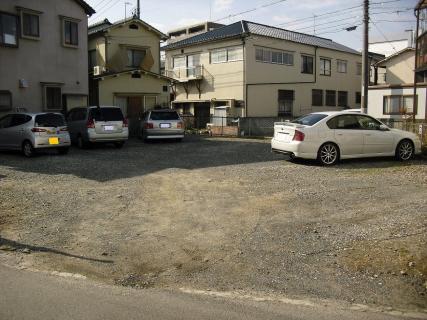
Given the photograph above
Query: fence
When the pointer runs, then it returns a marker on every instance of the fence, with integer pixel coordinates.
(264, 126)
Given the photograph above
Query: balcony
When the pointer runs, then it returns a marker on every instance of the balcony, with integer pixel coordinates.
(186, 74)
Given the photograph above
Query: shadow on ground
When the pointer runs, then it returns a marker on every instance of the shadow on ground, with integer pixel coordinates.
(105, 163)
(10, 245)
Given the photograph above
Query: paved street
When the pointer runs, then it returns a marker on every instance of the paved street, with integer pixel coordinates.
(39, 296)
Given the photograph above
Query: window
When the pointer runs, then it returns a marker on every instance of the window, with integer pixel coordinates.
(349, 122)
(274, 56)
(286, 102)
(342, 98)
(358, 69)
(53, 98)
(49, 120)
(317, 97)
(30, 25)
(398, 104)
(8, 29)
(331, 99)
(179, 62)
(342, 66)
(368, 123)
(5, 100)
(325, 67)
(310, 119)
(19, 119)
(307, 64)
(219, 56)
(71, 33)
(135, 57)
(358, 98)
(6, 121)
(227, 54)
(92, 59)
(165, 88)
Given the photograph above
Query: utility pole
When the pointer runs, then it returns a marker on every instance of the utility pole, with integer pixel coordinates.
(138, 9)
(365, 62)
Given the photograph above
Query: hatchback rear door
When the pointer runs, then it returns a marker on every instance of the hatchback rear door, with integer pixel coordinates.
(107, 120)
(165, 120)
(51, 126)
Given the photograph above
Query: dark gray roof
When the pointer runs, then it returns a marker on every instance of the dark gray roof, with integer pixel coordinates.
(105, 24)
(246, 28)
(88, 9)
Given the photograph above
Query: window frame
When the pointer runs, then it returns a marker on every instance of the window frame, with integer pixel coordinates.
(131, 64)
(359, 68)
(328, 123)
(306, 56)
(316, 93)
(2, 41)
(344, 63)
(287, 57)
(227, 58)
(322, 64)
(66, 20)
(285, 113)
(338, 99)
(401, 98)
(326, 98)
(45, 98)
(23, 12)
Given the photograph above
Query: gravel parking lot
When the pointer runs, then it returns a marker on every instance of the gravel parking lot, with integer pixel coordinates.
(221, 214)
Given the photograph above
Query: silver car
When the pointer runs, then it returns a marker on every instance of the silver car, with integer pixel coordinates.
(162, 124)
(30, 132)
(97, 124)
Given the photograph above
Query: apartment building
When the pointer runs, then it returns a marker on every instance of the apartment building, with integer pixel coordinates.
(43, 54)
(192, 30)
(124, 67)
(255, 70)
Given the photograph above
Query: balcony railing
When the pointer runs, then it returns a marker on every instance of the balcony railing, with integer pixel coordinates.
(186, 73)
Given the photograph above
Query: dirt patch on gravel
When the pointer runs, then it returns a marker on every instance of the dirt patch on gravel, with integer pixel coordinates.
(221, 214)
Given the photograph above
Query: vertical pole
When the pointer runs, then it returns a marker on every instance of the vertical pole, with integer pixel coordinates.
(138, 9)
(415, 103)
(365, 61)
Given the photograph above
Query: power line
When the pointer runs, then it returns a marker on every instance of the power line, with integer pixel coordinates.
(250, 10)
(95, 5)
(106, 7)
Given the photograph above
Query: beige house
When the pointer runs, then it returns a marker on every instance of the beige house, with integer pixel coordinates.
(124, 67)
(43, 54)
(254, 70)
(392, 97)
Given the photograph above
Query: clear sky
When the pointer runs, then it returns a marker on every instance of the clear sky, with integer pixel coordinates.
(325, 18)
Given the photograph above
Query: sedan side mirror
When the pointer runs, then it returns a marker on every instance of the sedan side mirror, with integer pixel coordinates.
(383, 127)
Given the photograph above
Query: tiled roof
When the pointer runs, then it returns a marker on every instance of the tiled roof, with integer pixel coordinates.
(243, 28)
(88, 9)
(105, 24)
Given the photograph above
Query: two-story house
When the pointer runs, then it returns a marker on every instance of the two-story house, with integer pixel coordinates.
(255, 70)
(392, 96)
(43, 54)
(124, 67)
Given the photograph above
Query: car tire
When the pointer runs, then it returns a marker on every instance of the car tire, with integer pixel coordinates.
(405, 150)
(81, 143)
(119, 145)
(63, 150)
(28, 149)
(328, 154)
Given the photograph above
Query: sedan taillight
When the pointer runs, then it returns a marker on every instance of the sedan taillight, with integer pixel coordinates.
(90, 124)
(298, 136)
(38, 130)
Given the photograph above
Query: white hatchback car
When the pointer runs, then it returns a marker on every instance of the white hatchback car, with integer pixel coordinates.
(331, 136)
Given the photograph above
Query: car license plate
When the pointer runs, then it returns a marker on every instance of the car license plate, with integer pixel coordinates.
(108, 128)
(54, 140)
(165, 125)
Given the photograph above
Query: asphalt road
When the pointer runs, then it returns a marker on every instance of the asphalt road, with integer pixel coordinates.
(32, 295)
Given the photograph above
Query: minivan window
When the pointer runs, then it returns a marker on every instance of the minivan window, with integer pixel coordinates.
(310, 119)
(106, 114)
(6, 121)
(164, 115)
(49, 120)
(19, 119)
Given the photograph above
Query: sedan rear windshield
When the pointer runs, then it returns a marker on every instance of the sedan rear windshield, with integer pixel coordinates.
(49, 120)
(310, 119)
(164, 115)
(106, 114)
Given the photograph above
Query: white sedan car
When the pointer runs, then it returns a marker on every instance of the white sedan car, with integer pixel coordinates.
(331, 136)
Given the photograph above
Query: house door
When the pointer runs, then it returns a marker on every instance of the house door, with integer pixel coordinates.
(134, 114)
(202, 114)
